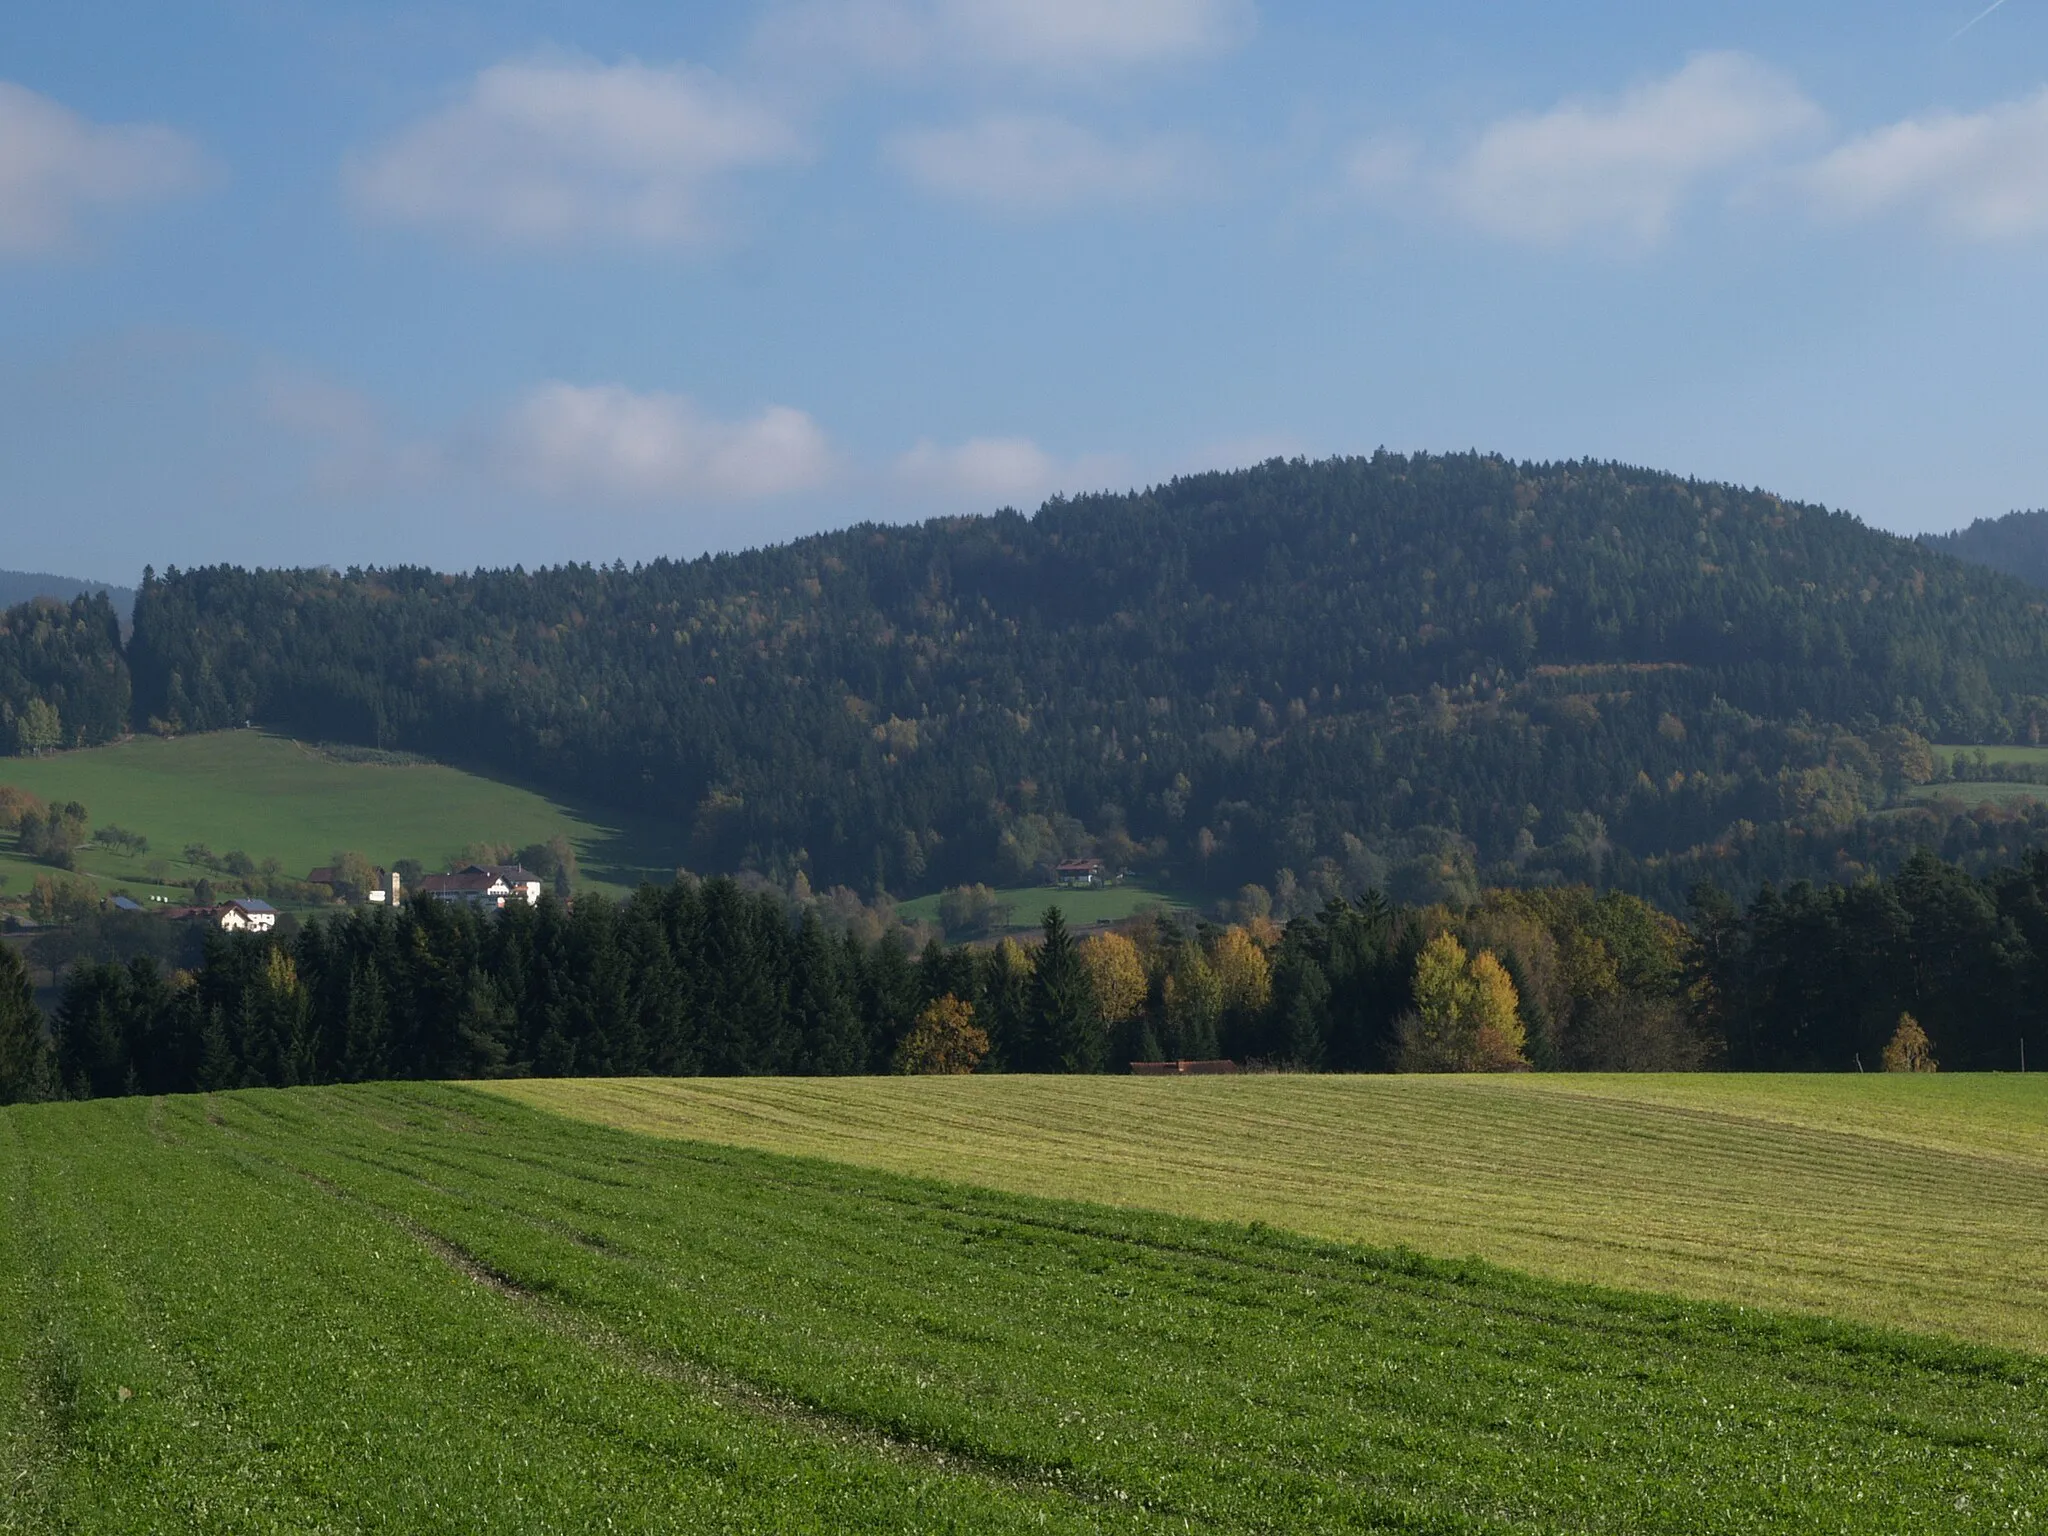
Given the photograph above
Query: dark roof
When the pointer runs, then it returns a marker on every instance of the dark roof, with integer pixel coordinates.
(472, 879)
(126, 904)
(1079, 864)
(511, 874)
(251, 906)
(324, 875)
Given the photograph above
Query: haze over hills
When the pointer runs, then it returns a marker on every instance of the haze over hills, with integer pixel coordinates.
(2016, 544)
(23, 586)
(1421, 672)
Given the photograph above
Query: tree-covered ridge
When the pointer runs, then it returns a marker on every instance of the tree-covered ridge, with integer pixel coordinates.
(2016, 544)
(1426, 672)
(63, 679)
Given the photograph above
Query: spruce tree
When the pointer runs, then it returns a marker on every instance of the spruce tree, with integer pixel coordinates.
(1065, 1034)
(25, 1064)
(827, 1025)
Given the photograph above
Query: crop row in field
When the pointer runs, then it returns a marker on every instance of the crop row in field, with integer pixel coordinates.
(416, 1309)
(1916, 1202)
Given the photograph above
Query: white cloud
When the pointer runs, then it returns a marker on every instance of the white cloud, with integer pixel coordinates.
(1981, 175)
(569, 439)
(573, 151)
(56, 167)
(1041, 165)
(1066, 35)
(996, 471)
(1059, 39)
(1616, 170)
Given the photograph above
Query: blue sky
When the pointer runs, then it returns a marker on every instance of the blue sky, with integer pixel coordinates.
(468, 285)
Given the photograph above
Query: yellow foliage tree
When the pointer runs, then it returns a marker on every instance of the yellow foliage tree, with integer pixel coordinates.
(1500, 1043)
(1243, 972)
(1910, 1050)
(1194, 1005)
(1467, 1017)
(944, 1042)
(1117, 973)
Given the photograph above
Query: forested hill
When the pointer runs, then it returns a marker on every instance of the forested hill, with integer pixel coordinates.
(2016, 543)
(17, 587)
(1412, 671)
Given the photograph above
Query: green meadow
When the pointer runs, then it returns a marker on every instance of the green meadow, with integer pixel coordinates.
(272, 797)
(2004, 754)
(1916, 1202)
(422, 1309)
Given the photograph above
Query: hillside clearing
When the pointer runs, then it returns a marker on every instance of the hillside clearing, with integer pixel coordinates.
(272, 797)
(1081, 907)
(1917, 1202)
(419, 1308)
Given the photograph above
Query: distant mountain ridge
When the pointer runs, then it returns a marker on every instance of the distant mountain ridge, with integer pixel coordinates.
(2016, 544)
(1417, 672)
(18, 587)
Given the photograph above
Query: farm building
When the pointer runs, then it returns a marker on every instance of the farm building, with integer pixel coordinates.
(230, 917)
(1078, 874)
(483, 885)
(247, 917)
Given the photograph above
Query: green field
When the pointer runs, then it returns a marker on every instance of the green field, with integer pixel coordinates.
(1081, 908)
(410, 1308)
(275, 798)
(2001, 755)
(1918, 1202)
(1974, 793)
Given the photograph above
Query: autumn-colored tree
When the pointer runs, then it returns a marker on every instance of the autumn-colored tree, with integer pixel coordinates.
(1910, 1050)
(1194, 1006)
(1499, 1042)
(944, 1042)
(354, 876)
(14, 804)
(1242, 971)
(1466, 1017)
(1117, 973)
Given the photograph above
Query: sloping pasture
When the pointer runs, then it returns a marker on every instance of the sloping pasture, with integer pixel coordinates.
(1916, 1202)
(424, 1309)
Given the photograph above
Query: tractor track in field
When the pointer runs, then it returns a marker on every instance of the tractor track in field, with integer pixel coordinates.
(735, 1393)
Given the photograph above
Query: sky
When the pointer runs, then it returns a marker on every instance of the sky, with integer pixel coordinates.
(473, 285)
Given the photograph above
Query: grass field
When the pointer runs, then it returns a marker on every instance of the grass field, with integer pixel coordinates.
(1915, 1202)
(1108, 904)
(2025, 757)
(1991, 792)
(410, 1308)
(275, 798)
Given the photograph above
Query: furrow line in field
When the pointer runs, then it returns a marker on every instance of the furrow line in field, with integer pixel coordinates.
(735, 1393)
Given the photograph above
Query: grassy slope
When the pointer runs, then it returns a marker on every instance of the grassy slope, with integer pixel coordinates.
(1916, 1202)
(274, 798)
(421, 1309)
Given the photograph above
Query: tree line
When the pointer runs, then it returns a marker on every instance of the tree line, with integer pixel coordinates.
(708, 978)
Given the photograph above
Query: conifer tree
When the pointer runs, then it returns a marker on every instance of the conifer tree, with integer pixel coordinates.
(1065, 1034)
(25, 1067)
(830, 1038)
